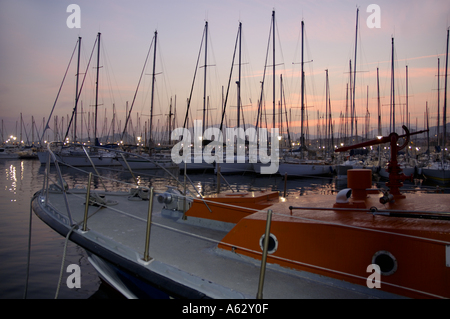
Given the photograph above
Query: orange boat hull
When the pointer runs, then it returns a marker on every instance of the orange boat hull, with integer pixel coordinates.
(342, 244)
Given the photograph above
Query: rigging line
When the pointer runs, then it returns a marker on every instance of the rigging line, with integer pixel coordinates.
(112, 76)
(57, 96)
(262, 82)
(65, 251)
(79, 93)
(137, 88)
(63, 259)
(229, 81)
(193, 82)
(166, 80)
(279, 45)
(29, 246)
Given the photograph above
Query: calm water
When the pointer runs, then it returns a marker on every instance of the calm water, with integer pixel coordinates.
(20, 179)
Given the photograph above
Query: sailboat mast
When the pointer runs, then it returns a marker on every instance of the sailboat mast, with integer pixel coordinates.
(273, 64)
(281, 106)
(302, 137)
(204, 80)
(170, 122)
(21, 121)
(76, 91)
(153, 89)
(354, 72)
(239, 78)
(114, 123)
(96, 90)
(326, 108)
(445, 97)
(438, 106)
(379, 105)
(407, 102)
(330, 118)
(392, 89)
(346, 115)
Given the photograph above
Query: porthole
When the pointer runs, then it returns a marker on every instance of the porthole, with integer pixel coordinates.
(386, 261)
(273, 243)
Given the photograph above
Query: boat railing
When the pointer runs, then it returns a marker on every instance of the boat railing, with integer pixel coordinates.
(188, 187)
(51, 155)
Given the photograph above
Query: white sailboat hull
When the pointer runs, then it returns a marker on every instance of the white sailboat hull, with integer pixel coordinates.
(438, 173)
(80, 160)
(305, 169)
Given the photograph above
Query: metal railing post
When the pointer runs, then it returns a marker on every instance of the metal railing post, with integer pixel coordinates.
(262, 273)
(185, 191)
(86, 208)
(149, 222)
(129, 168)
(47, 168)
(66, 201)
(218, 177)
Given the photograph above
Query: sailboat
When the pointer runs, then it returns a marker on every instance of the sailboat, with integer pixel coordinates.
(271, 142)
(195, 161)
(77, 154)
(439, 171)
(301, 167)
(150, 160)
(9, 152)
(240, 163)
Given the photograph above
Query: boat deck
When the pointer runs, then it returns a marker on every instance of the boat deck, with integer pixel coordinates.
(189, 253)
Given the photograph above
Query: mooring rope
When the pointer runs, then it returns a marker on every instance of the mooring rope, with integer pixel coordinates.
(29, 247)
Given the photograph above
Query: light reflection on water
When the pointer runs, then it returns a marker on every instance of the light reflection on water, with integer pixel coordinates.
(19, 181)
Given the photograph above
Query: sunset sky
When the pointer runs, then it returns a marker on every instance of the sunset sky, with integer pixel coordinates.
(36, 46)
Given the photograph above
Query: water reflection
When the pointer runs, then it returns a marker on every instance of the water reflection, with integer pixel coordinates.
(11, 178)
